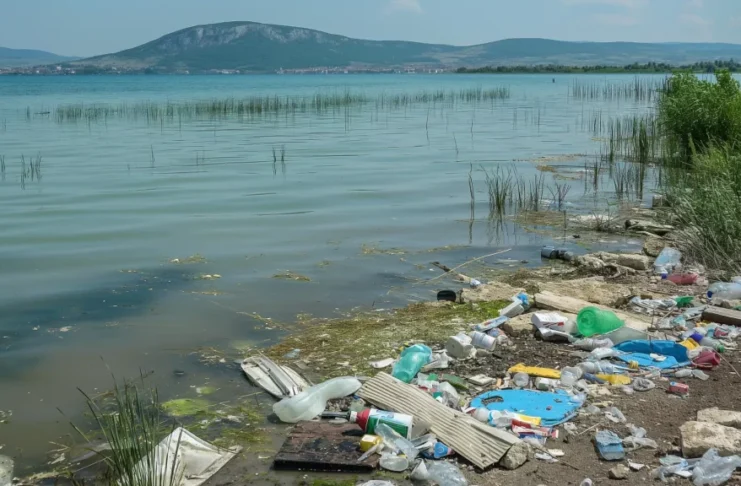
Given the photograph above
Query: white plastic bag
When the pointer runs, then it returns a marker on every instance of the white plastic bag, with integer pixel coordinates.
(713, 470)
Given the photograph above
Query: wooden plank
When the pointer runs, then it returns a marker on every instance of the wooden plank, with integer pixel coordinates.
(551, 301)
(479, 443)
(722, 316)
(323, 446)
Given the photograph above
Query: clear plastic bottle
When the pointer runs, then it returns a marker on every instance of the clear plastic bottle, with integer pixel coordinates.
(312, 401)
(593, 367)
(446, 474)
(725, 291)
(396, 442)
(712, 343)
(411, 361)
(590, 344)
(668, 261)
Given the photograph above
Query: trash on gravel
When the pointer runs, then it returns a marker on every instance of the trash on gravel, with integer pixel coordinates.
(609, 445)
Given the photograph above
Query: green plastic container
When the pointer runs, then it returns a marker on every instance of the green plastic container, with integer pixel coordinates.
(592, 321)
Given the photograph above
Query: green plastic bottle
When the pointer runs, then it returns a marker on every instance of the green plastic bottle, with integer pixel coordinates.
(411, 361)
(592, 321)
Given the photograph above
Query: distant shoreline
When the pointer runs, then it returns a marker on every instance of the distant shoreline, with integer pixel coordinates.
(707, 67)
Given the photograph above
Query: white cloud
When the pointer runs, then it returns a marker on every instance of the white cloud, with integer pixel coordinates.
(694, 19)
(612, 3)
(413, 6)
(695, 3)
(616, 19)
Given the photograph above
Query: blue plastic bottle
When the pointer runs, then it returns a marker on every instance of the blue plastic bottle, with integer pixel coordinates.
(411, 361)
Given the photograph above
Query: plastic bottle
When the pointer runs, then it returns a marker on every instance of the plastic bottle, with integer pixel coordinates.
(396, 442)
(369, 419)
(496, 418)
(411, 361)
(312, 401)
(593, 320)
(603, 353)
(593, 367)
(725, 291)
(668, 261)
(446, 474)
(482, 340)
(685, 373)
(490, 324)
(513, 310)
(712, 343)
(590, 344)
(546, 384)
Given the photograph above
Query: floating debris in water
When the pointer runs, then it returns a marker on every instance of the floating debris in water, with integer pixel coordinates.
(376, 250)
(288, 275)
(5, 416)
(190, 260)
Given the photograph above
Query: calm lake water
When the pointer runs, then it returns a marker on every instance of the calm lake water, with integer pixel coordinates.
(87, 283)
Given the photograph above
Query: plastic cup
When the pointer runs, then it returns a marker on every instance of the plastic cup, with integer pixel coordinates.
(568, 379)
(521, 380)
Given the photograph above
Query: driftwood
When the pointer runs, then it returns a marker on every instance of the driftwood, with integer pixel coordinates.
(651, 227)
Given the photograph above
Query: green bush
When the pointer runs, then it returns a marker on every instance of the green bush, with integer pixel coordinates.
(696, 114)
(706, 204)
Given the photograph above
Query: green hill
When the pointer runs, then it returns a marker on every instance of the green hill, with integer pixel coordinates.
(254, 47)
(10, 58)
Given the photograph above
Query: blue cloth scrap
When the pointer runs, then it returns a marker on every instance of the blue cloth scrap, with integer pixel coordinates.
(640, 350)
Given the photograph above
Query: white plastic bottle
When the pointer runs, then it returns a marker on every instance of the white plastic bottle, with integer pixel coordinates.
(312, 401)
(590, 344)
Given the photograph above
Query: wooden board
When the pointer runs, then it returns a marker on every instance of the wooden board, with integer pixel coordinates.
(722, 316)
(323, 446)
(551, 301)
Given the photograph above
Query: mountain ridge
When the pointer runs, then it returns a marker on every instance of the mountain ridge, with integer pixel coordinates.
(10, 57)
(255, 47)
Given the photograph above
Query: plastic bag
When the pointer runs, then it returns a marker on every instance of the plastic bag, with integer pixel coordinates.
(615, 415)
(635, 443)
(445, 474)
(642, 384)
(713, 470)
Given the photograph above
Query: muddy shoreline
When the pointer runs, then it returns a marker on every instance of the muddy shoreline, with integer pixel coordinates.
(346, 346)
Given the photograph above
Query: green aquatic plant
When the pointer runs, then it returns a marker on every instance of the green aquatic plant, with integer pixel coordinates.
(132, 430)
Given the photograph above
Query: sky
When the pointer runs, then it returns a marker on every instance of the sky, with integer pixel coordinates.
(90, 27)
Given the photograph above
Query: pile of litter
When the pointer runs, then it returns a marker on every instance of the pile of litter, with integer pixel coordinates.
(418, 418)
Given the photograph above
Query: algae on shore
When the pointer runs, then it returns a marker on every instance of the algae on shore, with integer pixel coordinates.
(338, 347)
(185, 407)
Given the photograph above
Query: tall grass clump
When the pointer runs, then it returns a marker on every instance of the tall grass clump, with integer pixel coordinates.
(706, 204)
(132, 429)
(701, 122)
(696, 114)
